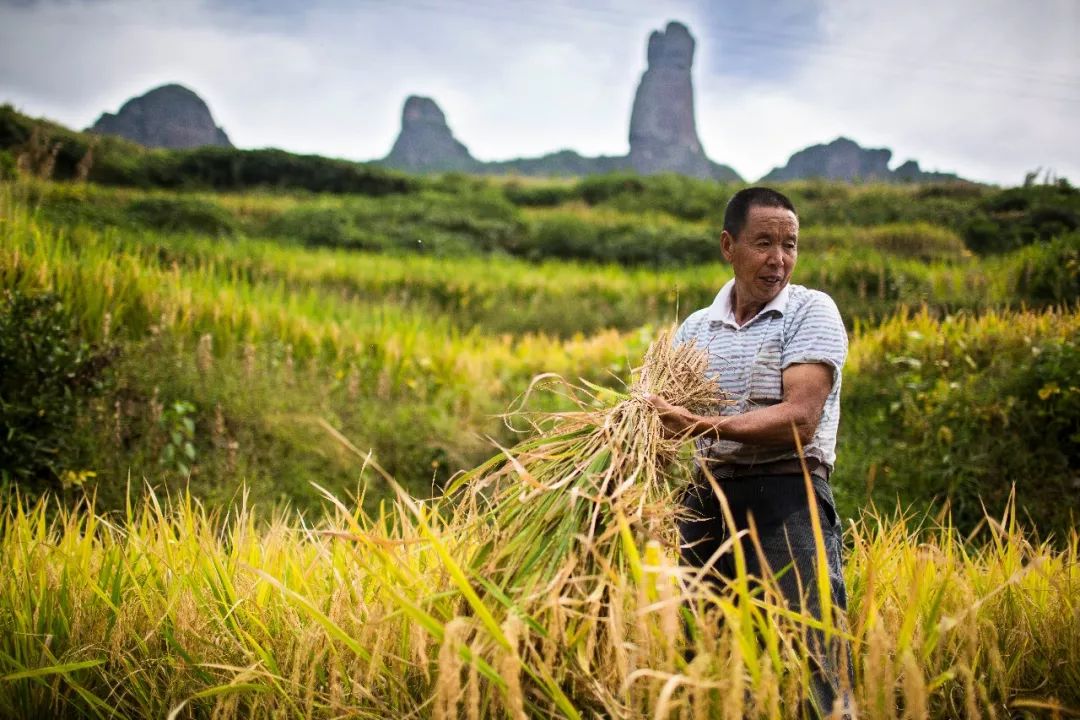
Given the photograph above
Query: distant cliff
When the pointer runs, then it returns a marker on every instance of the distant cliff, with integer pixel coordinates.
(170, 116)
(844, 159)
(663, 130)
(425, 142)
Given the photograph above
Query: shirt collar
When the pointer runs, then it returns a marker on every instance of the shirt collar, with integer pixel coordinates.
(723, 311)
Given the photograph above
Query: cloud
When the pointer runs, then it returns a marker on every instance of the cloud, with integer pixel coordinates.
(515, 79)
(757, 42)
(985, 88)
(982, 87)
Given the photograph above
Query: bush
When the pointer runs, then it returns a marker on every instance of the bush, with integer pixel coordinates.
(657, 245)
(120, 162)
(231, 169)
(45, 375)
(1020, 216)
(918, 241)
(1049, 274)
(954, 190)
(679, 196)
(830, 203)
(535, 195)
(8, 170)
(180, 214)
(559, 235)
(317, 226)
(568, 236)
(429, 222)
(962, 409)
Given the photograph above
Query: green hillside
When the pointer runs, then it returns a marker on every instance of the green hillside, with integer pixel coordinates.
(216, 367)
(261, 340)
(408, 313)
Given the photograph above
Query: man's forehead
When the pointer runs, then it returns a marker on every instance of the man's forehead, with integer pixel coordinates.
(771, 211)
(765, 214)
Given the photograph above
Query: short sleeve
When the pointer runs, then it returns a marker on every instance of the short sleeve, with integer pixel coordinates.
(688, 330)
(680, 335)
(816, 335)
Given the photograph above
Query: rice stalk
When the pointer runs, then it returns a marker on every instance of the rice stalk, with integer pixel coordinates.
(558, 495)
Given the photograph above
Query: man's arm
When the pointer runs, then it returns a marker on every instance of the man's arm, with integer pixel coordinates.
(806, 387)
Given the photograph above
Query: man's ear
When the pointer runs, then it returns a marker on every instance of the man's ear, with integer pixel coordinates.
(727, 243)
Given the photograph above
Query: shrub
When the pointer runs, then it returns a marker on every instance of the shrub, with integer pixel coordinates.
(428, 222)
(962, 409)
(45, 374)
(317, 226)
(1015, 217)
(574, 236)
(917, 240)
(954, 190)
(560, 235)
(679, 196)
(120, 162)
(535, 195)
(181, 214)
(879, 205)
(1049, 273)
(657, 245)
(231, 169)
(7, 166)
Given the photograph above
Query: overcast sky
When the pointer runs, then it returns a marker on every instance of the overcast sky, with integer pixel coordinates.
(989, 89)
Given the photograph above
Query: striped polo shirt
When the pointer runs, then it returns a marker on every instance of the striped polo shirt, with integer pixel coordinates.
(799, 325)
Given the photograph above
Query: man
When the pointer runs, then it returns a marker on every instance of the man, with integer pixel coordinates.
(777, 351)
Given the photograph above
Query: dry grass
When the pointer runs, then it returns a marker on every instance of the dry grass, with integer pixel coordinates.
(564, 494)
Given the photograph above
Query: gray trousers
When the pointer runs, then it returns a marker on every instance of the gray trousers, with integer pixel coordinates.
(781, 515)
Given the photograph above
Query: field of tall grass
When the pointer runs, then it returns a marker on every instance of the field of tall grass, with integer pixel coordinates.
(257, 355)
(171, 610)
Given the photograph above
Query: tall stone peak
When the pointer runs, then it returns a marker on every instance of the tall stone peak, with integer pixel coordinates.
(673, 47)
(845, 159)
(169, 116)
(663, 131)
(425, 142)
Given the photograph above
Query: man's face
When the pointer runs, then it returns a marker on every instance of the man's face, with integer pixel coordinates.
(763, 255)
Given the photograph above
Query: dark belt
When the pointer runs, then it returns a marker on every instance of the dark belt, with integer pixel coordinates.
(730, 471)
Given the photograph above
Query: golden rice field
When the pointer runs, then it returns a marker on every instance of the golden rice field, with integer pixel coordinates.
(176, 611)
(546, 583)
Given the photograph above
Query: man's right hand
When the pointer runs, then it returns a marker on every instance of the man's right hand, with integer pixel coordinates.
(680, 422)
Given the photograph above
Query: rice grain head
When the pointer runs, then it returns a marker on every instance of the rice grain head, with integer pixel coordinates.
(509, 667)
(448, 688)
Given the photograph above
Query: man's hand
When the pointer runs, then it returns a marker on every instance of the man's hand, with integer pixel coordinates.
(678, 421)
(806, 386)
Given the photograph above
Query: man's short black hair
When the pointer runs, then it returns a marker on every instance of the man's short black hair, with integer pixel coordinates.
(738, 207)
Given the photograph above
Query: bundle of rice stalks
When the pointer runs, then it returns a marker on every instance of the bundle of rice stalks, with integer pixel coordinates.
(590, 484)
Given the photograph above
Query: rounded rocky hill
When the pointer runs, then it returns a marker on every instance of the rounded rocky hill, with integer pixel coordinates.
(170, 116)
